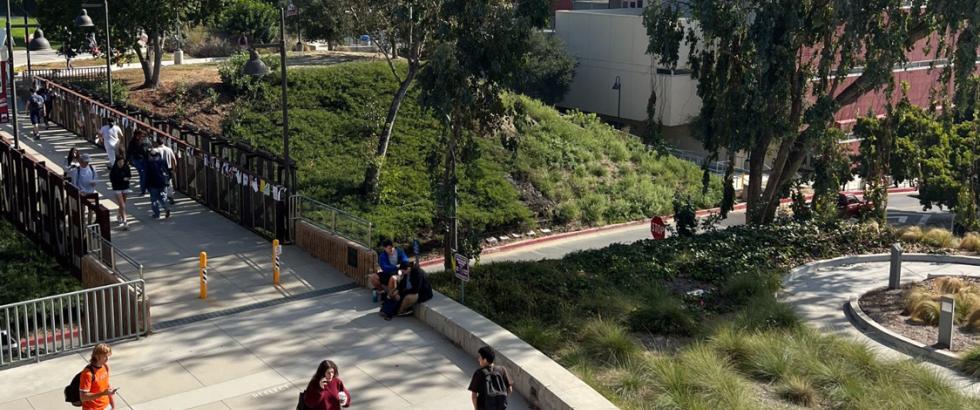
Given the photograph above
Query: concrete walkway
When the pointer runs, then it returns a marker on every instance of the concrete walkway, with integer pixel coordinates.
(257, 359)
(819, 297)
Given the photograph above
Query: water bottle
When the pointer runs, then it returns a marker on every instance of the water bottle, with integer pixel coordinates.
(374, 296)
(342, 397)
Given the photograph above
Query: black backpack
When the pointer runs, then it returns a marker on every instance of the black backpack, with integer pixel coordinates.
(72, 394)
(494, 395)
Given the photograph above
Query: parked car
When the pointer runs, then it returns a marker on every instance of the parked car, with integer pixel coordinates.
(850, 206)
(6, 344)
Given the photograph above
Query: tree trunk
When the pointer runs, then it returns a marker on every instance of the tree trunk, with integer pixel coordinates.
(372, 175)
(449, 182)
(145, 64)
(791, 166)
(157, 59)
(757, 161)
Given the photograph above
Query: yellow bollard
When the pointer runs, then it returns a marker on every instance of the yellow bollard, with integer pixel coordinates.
(204, 275)
(276, 251)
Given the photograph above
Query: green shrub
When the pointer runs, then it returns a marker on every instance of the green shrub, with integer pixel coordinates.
(28, 273)
(568, 212)
(536, 334)
(232, 76)
(120, 91)
(765, 312)
(608, 342)
(201, 43)
(663, 315)
(798, 390)
(970, 362)
(738, 289)
(548, 69)
(926, 312)
(254, 18)
(938, 237)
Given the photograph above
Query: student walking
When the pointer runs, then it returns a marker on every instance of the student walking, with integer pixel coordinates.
(35, 107)
(156, 182)
(84, 176)
(326, 391)
(93, 384)
(490, 384)
(170, 159)
(139, 151)
(111, 134)
(119, 176)
(71, 161)
(48, 105)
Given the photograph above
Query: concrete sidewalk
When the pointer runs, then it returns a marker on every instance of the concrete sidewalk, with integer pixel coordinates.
(819, 297)
(263, 359)
(257, 359)
(239, 261)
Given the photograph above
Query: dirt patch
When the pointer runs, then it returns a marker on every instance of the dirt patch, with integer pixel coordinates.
(887, 307)
(190, 93)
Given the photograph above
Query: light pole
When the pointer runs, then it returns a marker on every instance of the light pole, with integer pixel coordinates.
(618, 86)
(256, 68)
(10, 76)
(83, 20)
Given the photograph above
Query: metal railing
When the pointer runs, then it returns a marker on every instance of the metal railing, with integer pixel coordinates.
(72, 321)
(332, 219)
(122, 265)
(71, 74)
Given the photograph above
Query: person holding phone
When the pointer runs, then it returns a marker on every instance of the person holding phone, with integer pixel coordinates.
(326, 391)
(93, 386)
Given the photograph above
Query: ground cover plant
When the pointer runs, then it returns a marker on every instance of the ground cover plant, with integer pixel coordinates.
(542, 167)
(26, 272)
(692, 322)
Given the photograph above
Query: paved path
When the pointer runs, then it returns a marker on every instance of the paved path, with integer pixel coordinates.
(258, 359)
(819, 298)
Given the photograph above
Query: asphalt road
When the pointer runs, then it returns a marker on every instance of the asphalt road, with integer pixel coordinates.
(903, 209)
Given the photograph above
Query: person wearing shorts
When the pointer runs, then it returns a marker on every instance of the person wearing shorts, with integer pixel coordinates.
(119, 176)
(35, 107)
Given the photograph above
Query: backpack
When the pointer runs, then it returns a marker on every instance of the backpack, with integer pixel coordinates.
(32, 103)
(72, 394)
(494, 394)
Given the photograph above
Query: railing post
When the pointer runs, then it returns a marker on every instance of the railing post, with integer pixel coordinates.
(947, 308)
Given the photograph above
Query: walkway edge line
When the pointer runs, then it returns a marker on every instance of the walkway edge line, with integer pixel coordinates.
(542, 381)
(429, 263)
(896, 341)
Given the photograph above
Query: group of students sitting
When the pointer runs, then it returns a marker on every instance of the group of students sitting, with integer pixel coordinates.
(400, 282)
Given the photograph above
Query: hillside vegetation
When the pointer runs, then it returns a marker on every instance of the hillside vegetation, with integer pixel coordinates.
(540, 167)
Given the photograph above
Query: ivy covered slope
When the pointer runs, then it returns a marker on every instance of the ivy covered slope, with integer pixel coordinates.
(539, 167)
(26, 272)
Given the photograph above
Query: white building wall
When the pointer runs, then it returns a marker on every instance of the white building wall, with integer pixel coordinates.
(610, 43)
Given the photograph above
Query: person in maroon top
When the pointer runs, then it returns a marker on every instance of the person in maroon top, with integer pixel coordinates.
(326, 391)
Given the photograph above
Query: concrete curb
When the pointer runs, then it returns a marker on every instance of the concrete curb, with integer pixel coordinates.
(425, 264)
(896, 341)
(544, 383)
(860, 320)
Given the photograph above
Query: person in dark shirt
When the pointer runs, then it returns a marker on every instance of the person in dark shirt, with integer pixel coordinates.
(119, 176)
(490, 384)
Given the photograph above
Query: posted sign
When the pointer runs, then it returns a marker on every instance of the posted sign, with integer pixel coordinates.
(658, 228)
(462, 267)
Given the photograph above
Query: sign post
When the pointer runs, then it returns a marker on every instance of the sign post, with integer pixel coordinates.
(658, 228)
(416, 249)
(463, 273)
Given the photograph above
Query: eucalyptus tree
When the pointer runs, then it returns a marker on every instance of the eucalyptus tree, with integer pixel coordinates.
(772, 73)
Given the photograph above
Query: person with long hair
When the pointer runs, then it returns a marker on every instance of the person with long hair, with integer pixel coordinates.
(71, 161)
(119, 176)
(326, 391)
(93, 386)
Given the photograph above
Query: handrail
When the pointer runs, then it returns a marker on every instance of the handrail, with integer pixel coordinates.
(62, 295)
(361, 229)
(97, 246)
(159, 132)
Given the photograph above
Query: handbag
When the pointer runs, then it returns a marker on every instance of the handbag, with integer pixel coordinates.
(301, 405)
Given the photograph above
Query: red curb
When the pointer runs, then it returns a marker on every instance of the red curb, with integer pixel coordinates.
(700, 213)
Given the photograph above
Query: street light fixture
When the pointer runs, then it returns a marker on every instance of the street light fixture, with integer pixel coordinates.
(83, 20)
(38, 43)
(256, 68)
(618, 86)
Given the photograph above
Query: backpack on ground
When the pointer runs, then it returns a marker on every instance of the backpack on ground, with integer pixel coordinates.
(495, 391)
(72, 394)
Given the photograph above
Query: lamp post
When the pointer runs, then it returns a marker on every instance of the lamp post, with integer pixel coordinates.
(83, 20)
(256, 68)
(618, 86)
(10, 76)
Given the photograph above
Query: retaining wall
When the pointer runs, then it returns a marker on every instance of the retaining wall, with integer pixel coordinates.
(353, 259)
